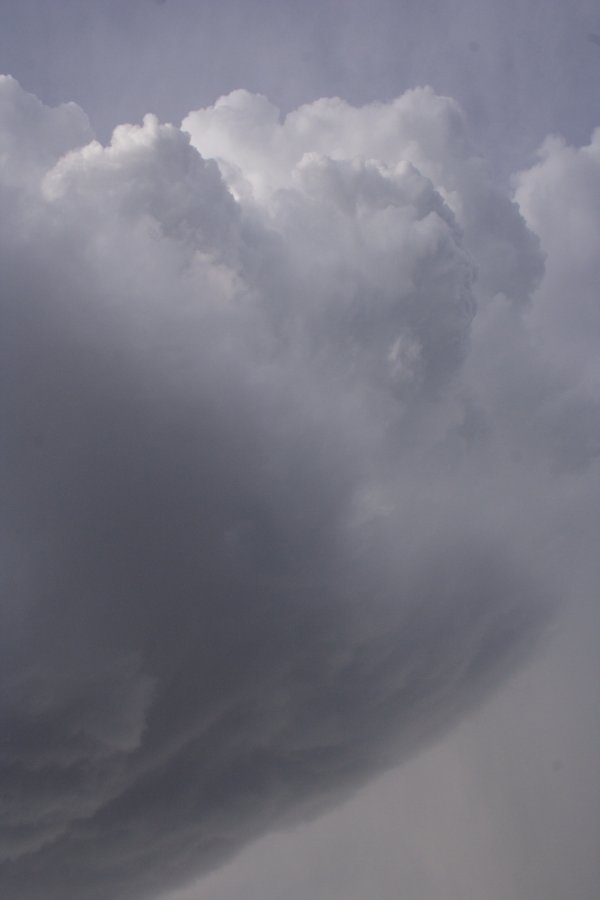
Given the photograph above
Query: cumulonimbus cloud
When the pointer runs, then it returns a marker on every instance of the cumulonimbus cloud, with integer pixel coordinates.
(283, 455)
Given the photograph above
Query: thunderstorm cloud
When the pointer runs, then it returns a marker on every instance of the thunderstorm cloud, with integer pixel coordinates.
(294, 411)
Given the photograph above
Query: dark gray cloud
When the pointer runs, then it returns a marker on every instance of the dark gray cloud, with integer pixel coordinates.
(284, 460)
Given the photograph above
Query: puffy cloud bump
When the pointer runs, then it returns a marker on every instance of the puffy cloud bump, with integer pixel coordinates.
(282, 460)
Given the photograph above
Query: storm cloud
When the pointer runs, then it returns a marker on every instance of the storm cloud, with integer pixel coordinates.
(291, 431)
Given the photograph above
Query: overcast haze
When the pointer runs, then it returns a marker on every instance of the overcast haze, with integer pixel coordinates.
(300, 455)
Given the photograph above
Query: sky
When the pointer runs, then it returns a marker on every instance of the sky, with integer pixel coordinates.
(301, 450)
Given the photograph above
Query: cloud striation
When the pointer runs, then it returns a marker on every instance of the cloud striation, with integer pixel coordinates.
(289, 426)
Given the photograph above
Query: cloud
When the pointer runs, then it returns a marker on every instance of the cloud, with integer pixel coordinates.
(278, 510)
(560, 197)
